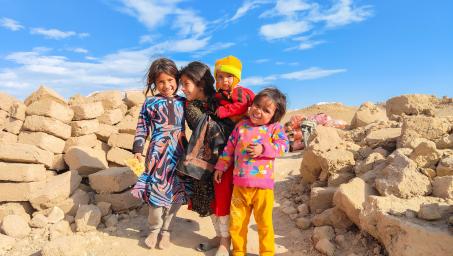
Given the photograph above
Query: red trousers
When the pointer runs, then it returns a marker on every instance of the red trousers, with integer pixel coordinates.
(223, 192)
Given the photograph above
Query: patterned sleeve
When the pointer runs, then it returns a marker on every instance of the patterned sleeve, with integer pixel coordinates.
(227, 156)
(278, 143)
(142, 131)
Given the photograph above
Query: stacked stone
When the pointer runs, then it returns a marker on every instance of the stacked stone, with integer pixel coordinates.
(392, 172)
(12, 116)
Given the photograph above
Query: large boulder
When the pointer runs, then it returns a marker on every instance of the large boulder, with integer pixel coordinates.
(429, 128)
(25, 153)
(6, 101)
(105, 131)
(402, 179)
(109, 99)
(87, 111)
(87, 218)
(134, 98)
(386, 137)
(43, 93)
(412, 104)
(113, 179)
(120, 201)
(85, 160)
(111, 117)
(426, 155)
(80, 128)
(48, 125)
(121, 140)
(128, 125)
(6, 137)
(118, 156)
(42, 140)
(52, 109)
(13, 125)
(368, 113)
(15, 226)
(89, 140)
(22, 172)
(19, 192)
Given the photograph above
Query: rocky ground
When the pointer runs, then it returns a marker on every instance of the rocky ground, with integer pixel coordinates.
(382, 187)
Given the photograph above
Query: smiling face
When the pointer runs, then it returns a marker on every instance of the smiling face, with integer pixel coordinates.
(261, 112)
(191, 90)
(224, 80)
(166, 84)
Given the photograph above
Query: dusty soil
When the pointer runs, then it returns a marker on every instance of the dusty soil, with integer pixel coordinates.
(335, 110)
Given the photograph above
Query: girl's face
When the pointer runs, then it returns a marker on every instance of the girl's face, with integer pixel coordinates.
(261, 113)
(224, 80)
(166, 84)
(191, 90)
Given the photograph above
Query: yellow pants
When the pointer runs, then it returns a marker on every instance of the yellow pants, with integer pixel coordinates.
(243, 201)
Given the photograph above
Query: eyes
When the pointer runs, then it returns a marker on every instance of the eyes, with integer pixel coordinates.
(168, 81)
(223, 76)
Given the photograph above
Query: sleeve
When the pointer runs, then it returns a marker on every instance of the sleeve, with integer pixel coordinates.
(277, 144)
(142, 131)
(227, 156)
(242, 98)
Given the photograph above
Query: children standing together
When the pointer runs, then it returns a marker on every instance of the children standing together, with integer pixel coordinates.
(251, 138)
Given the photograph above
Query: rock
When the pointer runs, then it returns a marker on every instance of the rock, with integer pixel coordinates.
(55, 215)
(386, 137)
(39, 221)
(60, 229)
(337, 161)
(425, 155)
(368, 113)
(15, 226)
(120, 201)
(326, 247)
(18, 110)
(303, 223)
(303, 210)
(443, 187)
(13, 125)
(58, 163)
(6, 137)
(66, 246)
(373, 160)
(401, 178)
(445, 141)
(6, 243)
(134, 111)
(44, 93)
(114, 179)
(429, 212)
(118, 155)
(25, 153)
(22, 209)
(336, 179)
(47, 125)
(6, 101)
(70, 205)
(88, 218)
(111, 220)
(128, 125)
(350, 198)
(85, 160)
(80, 128)
(52, 109)
(42, 140)
(134, 98)
(411, 104)
(121, 140)
(15, 192)
(105, 208)
(289, 210)
(429, 128)
(105, 131)
(428, 172)
(109, 99)
(56, 189)
(22, 172)
(321, 198)
(89, 140)
(87, 110)
(111, 117)
(69, 218)
(332, 217)
(445, 166)
(324, 232)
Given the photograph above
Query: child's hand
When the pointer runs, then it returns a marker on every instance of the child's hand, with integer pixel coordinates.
(139, 157)
(218, 176)
(255, 150)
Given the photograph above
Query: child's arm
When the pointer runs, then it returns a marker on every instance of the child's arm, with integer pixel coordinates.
(227, 156)
(277, 144)
(142, 131)
(242, 98)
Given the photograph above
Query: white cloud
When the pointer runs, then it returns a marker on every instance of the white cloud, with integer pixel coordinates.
(79, 50)
(10, 24)
(213, 48)
(188, 23)
(287, 8)
(246, 7)
(56, 33)
(342, 13)
(284, 29)
(306, 74)
(260, 61)
(146, 39)
(150, 13)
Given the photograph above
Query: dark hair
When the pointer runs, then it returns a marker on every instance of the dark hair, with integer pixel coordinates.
(279, 100)
(200, 74)
(161, 65)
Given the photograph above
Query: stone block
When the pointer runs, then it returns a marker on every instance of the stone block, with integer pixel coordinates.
(89, 140)
(42, 140)
(6, 101)
(70, 205)
(15, 226)
(48, 125)
(118, 155)
(122, 140)
(80, 128)
(52, 109)
(58, 163)
(87, 111)
(105, 131)
(6, 137)
(114, 179)
(110, 99)
(22, 172)
(18, 110)
(87, 218)
(13, 125)
(43, 93)
(85, 160)
(120, 201)
(321, 198)
(134, 98)
(128, 125)
(111, 117)
(19, 192)
(25, 153)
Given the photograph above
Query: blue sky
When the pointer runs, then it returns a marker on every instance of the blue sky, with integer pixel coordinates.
(315, 51)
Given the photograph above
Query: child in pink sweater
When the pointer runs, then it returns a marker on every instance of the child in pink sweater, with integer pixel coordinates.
(252, 147)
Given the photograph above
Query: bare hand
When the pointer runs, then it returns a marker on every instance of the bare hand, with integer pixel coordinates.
(218, 176)
(139, 157)
(255, 150)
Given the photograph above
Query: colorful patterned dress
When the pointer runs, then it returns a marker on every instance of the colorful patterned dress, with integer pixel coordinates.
(164, 119)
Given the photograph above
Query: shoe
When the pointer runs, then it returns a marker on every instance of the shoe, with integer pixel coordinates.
(211, 244)
(151, 240)
(164, 242)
